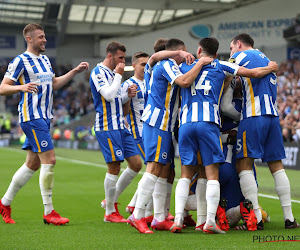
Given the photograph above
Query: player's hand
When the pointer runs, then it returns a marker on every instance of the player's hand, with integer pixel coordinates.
(204, 60)
(274, 66)
(81, 67)
(132, 90)
(31, 87)
(189, 58)
(231, 136)
(120, 68)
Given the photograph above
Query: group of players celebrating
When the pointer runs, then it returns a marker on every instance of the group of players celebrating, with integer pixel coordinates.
(172, 96)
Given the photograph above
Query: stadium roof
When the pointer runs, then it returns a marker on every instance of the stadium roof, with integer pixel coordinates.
(110, 17)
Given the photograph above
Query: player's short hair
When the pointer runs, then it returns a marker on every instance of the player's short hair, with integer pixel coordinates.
(244, 38)
(160, 44)
(210, 45)
(31, 27)
(138, 55)
(113, 47)
(174, 44)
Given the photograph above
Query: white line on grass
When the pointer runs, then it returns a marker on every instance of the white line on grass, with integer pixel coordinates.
(104, 166)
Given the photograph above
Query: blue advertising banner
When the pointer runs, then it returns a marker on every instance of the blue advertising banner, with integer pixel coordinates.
(293, 53)
(7, 42)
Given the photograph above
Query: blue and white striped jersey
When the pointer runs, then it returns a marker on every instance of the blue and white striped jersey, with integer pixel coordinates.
(201, 101)
(259, 94)
(136, 106)
(109, 115)
(29, 68)
(147, 81)
(163, 101)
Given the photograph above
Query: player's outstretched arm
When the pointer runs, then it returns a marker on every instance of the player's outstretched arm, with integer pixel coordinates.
(258, 72)
(189, 77)
(164, 54)
(59, 82)
(7, 87)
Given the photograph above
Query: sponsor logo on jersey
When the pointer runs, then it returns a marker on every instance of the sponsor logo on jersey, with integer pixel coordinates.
(232, 60)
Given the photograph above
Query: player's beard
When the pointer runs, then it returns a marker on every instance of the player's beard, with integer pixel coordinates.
(113, 63)
(39, 48)
(42, 48)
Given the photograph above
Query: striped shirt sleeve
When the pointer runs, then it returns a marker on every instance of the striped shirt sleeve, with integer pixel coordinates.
(229, 69)
(15, 69)
(171, 71)
(99, 79)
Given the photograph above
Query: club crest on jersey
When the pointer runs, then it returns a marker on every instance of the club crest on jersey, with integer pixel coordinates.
(119, 152)
(99, 77)
(44, 143)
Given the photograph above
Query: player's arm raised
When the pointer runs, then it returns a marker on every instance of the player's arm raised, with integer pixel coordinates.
(8, 87)
(258, 72)
(109, 91)
(131, 92)
(164, 54)
(189, 77)
(59, 82)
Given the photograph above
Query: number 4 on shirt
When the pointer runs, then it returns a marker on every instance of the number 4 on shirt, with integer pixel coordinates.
(199, 85)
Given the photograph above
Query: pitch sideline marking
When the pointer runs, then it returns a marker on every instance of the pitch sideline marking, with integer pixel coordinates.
(104, 166)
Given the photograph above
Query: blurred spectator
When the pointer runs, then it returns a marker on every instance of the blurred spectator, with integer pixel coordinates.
(1, 123)
(288, 100)
(68, 134)
(56, 134)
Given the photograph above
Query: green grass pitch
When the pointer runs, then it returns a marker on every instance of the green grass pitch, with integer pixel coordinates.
(77, 194)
